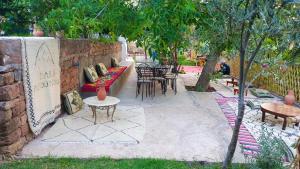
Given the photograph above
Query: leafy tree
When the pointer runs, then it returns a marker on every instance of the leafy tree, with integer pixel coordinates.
(217, 32)
(168, 27)
(260, 20)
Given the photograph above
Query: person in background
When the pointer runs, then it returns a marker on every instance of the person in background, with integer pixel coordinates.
(225, 68)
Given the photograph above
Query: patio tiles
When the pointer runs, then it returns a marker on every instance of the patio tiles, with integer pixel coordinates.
(186, 126)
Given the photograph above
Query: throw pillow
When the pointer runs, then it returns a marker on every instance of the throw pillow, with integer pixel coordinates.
(101, 69)
(253, 104)
(114, 62)
(73, 102)
(260, 93)
(91, 74)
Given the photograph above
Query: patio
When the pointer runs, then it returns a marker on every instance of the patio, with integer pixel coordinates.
(181, 127)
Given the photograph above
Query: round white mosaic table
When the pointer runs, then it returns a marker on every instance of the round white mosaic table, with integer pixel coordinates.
(107, 104)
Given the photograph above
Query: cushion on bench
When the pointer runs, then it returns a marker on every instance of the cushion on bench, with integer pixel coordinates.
(113, 74)
(260, 93)
(101, 69)
(91, 74)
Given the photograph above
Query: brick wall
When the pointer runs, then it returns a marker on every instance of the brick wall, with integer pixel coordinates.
(74, 56)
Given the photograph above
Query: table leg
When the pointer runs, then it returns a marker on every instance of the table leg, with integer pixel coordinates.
(107, 112)
(284, 123)
(112, 115)
(94, 113)
(276, 117)
(263, 116)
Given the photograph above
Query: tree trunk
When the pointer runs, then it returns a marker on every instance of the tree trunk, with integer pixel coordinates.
(209, 68)
(175, 60)
(241, 108)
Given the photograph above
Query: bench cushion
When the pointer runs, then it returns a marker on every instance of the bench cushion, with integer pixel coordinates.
(101, 69)
(112, 75)
(91, 74)
(114, 62)
(260, 93)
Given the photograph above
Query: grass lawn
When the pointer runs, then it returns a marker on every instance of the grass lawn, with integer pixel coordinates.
(105, 163)
(186, 62)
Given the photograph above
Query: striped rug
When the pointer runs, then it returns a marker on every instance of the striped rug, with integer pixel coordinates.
(249, 145)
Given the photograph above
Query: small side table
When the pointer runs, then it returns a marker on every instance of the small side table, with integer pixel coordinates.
(107, 104)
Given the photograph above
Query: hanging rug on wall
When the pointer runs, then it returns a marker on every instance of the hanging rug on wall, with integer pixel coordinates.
(41, 79)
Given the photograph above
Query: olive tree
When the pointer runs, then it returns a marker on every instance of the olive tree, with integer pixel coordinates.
(259, 21)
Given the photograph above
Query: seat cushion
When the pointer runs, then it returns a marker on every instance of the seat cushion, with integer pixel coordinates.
(260, 93)
(114, 62)
(72, 102)
(111, 76)
(91, 74)
(101, 69)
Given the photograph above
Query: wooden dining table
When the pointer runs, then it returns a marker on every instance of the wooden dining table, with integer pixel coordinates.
(280, 110)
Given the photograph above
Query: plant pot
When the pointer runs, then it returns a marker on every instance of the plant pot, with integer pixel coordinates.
(101, 93)
(290, 99)
(38, 33)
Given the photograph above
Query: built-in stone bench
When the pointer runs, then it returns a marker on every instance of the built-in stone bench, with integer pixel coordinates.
(113, 86)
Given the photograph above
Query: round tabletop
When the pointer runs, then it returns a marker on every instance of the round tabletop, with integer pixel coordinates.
(109, 101)
(281, 109)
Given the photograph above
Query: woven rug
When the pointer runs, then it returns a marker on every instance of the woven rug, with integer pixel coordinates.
(128, 127)
(252, 125)
(41, 79)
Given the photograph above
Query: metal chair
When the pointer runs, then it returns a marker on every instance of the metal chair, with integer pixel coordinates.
(159, 73)
(144, 80)
(172, 76)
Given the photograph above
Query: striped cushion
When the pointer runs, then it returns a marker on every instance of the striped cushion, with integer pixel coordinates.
(101, 69)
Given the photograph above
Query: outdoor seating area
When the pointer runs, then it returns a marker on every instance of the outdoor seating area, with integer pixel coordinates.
(165, 84)
(150, 73)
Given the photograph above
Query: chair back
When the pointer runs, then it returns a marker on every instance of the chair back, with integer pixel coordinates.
(160, 70)
(144, 71)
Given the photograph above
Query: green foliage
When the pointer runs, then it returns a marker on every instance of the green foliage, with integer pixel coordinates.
(94, 19)
(271, 154)
(167, 25)
(184, 61)
(15, 17)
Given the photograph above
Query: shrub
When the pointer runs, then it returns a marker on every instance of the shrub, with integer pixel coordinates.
(272, 152)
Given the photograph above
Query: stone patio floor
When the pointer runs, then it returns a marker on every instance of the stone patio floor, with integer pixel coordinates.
(186, 126)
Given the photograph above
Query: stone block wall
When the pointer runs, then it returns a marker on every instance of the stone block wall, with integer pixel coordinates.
(74, 56)
(14, 127)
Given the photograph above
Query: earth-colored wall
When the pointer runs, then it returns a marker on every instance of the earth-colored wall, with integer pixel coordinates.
(74, 56)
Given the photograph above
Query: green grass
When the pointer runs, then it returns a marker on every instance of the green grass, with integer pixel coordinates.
(186, 62)
(104, 163)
